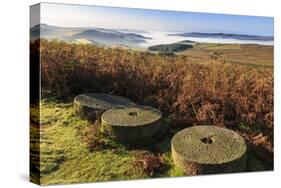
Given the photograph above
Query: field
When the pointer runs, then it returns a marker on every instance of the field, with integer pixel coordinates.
(223, 85)
(247, 54)
(70, 154)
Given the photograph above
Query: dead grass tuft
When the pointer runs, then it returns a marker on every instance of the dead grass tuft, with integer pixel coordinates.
(224, 94)
(152, 164)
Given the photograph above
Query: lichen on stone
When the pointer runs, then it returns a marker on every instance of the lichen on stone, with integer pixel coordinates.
(132, 124)
(131, 116)
(209, 149)
(90, 106)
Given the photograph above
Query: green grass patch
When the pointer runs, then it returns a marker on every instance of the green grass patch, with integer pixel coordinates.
(66, 157)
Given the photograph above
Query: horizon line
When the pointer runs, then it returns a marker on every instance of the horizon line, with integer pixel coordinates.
(116, 29)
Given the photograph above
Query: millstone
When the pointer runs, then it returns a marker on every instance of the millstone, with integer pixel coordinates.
(91, 106)
(209, 150)
(132, 125)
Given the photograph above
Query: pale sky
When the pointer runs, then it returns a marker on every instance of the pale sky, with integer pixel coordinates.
(143, 19)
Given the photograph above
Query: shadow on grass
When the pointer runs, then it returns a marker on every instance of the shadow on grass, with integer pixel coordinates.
(152, 156)
(258, 158)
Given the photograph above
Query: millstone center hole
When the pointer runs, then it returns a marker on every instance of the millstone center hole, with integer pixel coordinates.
(207, 140)
(133, 113)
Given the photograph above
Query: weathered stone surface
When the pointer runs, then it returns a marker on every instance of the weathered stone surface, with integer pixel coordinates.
(132, 125)
(91, 106)
(209, 150)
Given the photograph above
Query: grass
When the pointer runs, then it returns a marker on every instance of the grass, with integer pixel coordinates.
(230, 88)
(65, 155)
(66, 158)
(215, 46)
(208, 90)
(242, 54)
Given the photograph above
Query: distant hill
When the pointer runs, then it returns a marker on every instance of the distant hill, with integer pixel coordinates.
(171, 48)
(99, 36)
(111, 37)
(53, 32)
(225, 36)
(43, 28)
